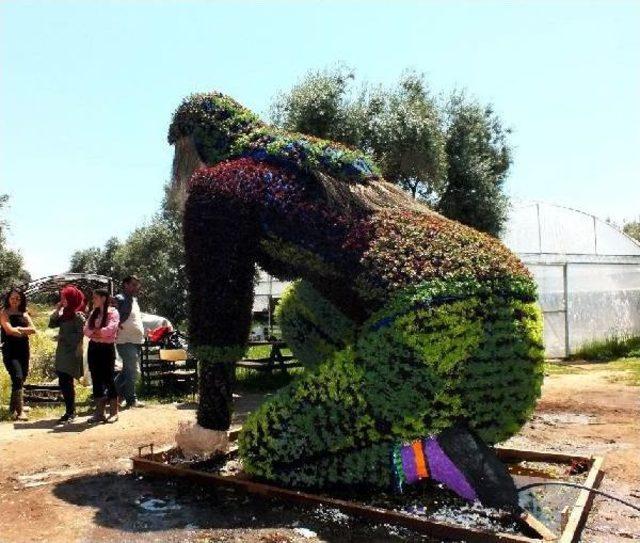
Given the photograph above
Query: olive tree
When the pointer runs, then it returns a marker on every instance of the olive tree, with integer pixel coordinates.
(452, 153)
(405, 135)
(478, 159)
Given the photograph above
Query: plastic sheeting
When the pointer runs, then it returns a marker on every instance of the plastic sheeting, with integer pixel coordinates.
(550, 229)
(604, 301)
(596, 302)
(550, 280)
(267, 288)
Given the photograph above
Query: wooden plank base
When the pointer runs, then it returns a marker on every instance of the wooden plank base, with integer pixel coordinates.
(155, 463)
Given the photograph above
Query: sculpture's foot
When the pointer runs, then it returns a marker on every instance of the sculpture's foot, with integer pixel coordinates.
(197, 442)
(458, 459)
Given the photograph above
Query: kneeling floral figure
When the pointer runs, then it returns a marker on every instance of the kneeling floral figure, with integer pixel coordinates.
(420, 335)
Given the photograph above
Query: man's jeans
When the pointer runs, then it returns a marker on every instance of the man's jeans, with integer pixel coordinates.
(126, 380)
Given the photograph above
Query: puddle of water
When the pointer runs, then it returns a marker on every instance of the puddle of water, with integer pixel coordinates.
(157, 505)
(30, 480)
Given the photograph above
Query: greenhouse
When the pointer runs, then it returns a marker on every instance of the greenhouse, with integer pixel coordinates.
(588, 274)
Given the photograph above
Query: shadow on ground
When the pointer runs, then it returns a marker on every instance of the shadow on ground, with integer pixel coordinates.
(80, 425)
(137, 504)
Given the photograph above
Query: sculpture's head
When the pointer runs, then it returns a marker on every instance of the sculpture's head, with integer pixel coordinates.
(203, 131)
(214, 122)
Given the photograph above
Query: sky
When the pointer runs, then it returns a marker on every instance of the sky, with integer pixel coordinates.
(87, 90)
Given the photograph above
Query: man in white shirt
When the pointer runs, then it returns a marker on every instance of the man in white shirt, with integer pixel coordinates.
(129, 341)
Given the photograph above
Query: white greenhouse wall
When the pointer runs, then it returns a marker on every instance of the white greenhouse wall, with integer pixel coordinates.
(587, 271)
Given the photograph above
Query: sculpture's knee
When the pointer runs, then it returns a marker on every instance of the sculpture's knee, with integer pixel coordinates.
(322, 414)
(477, 359)
(312, 326)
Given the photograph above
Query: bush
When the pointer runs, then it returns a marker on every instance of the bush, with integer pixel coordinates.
(42, 345)
(312, 327)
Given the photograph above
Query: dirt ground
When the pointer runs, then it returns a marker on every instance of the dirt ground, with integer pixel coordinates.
(75, 484)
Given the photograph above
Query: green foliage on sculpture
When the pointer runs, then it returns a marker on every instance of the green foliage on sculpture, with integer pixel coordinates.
(317, 430)
(214, 121)
(460, 350)
(312, 326)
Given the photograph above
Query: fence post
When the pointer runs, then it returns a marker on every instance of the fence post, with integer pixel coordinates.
(565, 281)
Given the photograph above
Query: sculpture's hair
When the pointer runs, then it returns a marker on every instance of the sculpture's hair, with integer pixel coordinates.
(186, 161)
(200, 112)
(365, 196)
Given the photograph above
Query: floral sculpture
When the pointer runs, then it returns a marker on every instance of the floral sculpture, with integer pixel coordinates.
(411, 324)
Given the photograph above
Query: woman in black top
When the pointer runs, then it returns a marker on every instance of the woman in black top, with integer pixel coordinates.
(16, 327)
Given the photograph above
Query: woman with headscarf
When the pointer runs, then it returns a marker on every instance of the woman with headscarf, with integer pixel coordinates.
(69, 317)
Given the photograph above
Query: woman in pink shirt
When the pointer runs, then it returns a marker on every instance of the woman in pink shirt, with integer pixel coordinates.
(101, 329)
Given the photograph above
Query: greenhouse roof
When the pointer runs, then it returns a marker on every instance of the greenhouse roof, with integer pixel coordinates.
(539, 228)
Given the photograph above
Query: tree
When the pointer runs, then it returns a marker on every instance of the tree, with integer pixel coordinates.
(12, 270)
(478, 159)
(399, 126)
(632, 229)
(405, 135)
(321, 105)
(456, 156)
(85, 260)
(97, 260)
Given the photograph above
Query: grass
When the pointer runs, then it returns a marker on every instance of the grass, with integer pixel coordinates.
(621, 370)
(263, 351)
(609, 349)
(551, 368)
(261, 381)
(629, 369)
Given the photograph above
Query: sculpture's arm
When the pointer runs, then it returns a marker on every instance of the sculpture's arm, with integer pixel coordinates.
(220, 241)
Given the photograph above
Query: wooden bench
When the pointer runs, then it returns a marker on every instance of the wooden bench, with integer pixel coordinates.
(42, 393)
(181, 371)
(275, 360)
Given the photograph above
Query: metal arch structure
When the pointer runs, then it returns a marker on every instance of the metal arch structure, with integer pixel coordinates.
(53, 283)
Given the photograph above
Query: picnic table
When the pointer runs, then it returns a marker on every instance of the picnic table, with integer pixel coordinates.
(276, 358)
(172, 370)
